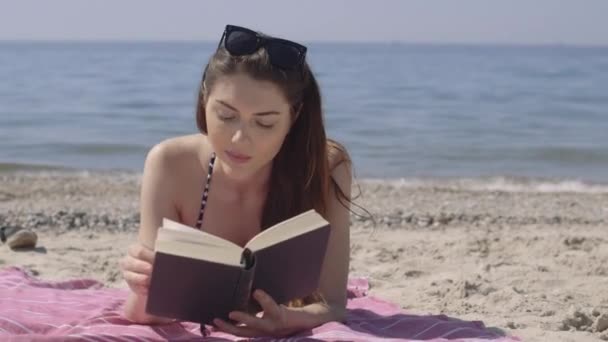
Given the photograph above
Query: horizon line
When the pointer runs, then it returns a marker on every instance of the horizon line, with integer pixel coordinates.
(345, 41)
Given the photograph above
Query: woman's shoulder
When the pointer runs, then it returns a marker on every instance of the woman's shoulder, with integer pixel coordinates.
(337, 155)
(340, 166)
(179, 151)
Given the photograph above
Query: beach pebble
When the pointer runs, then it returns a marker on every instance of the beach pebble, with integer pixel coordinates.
(547, 313)
(424, 221)
(574, 242)
(444, 218)
(466, 288)
(576, 319)
(542, 268)
(23, 239)
(601, 323)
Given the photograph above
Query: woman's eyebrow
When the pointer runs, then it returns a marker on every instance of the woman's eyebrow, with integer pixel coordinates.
(270, 112)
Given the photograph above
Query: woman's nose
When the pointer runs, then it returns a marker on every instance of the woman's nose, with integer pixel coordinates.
(240, 134)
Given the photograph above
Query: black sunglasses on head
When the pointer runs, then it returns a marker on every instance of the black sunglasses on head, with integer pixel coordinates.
(285, 54)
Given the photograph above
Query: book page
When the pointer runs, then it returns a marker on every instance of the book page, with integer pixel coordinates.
(297, 225)
(182, 232)
(200, 251)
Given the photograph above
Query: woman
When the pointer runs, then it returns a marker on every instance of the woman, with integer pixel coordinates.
(262, 154)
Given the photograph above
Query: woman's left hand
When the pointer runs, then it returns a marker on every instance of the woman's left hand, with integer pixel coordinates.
(274, 321)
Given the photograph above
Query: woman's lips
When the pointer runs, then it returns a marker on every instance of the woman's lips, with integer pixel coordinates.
(237, 157)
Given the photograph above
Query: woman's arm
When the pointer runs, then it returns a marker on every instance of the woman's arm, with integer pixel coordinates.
(155, 203)
(334, 275)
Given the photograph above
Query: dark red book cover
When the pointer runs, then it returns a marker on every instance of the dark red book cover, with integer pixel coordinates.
(200, 290)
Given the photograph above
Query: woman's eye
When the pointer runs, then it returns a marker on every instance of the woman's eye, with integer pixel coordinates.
(225, 117)
(264, 125)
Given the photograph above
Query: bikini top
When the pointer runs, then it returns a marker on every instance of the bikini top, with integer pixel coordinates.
(199, 221)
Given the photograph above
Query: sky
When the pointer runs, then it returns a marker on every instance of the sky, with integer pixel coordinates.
(572, 22)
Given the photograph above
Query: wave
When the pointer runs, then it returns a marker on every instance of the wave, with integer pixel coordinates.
(104, 148)
(496, 183)
(501, 183)
(10, 167)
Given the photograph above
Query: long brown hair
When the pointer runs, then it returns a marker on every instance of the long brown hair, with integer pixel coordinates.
(301, 176)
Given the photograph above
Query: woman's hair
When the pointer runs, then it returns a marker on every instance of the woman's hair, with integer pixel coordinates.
(301, 177)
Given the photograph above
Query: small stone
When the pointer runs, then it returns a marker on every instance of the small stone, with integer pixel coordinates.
(4, 232)
(574, 241)
(434, 293)
(444, 218)
(575, 319)
(23, 239)
(413, 273)
(511, 325)
(517, 290)
(467, 289)
(547, 313)
(595, 312)
(425, 221)
(601, 323)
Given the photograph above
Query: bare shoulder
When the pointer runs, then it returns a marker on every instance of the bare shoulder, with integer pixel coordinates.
(337, 154)
(177, 148)
(178, 153)
(339, 165)
(170, 166)
(174, 162)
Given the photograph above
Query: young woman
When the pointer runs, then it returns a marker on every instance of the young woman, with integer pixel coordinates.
(262, 157)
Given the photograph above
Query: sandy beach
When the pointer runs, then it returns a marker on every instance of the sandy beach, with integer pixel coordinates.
(531, 260)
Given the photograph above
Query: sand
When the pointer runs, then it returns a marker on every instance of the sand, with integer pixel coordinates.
(528, 258)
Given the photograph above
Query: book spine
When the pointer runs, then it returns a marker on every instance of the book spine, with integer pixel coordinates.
(242, 296)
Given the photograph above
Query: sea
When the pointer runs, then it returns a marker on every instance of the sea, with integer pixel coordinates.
(503, 114)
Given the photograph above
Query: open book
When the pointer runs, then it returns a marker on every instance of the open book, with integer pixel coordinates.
(198, 276)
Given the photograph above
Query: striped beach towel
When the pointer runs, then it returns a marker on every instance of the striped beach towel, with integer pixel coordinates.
(85, 310)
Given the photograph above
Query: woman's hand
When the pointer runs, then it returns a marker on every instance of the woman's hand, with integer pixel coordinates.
(274, 321)
(136, 268)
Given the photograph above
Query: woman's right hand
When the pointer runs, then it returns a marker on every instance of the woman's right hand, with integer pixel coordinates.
(136, 268)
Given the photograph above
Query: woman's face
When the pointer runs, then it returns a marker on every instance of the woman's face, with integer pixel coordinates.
(247, 121)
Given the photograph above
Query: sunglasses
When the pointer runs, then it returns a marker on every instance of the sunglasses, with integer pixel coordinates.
(285, 54)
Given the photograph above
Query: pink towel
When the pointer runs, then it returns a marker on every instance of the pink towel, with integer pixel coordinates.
(85, 310)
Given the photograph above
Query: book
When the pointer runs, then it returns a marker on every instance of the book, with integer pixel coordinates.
(198, 276)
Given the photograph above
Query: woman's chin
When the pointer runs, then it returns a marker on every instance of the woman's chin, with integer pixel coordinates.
(237, 172)
(244, 173)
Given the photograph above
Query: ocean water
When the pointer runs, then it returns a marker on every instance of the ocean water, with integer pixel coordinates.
(403, 111)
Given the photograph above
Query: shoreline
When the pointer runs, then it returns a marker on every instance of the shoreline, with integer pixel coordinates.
(508, 183)
(499, 182)
(69, 200)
